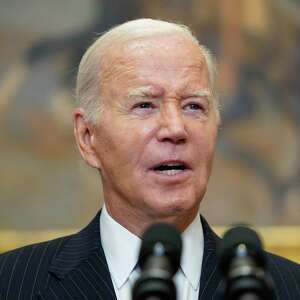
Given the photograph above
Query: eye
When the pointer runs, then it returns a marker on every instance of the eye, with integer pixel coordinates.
(144, 108)
(144, 105)
(193, 106)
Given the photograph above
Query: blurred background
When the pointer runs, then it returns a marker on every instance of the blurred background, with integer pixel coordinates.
(43, 182)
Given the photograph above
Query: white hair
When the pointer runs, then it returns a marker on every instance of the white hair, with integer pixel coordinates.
(89, 72)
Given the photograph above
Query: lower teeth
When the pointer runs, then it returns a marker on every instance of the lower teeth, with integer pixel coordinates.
(170, 172)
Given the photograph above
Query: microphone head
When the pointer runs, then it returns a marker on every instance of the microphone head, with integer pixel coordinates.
(239, 241)
(161, 239)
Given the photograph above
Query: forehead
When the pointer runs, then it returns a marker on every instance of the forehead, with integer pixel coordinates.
(168, 56)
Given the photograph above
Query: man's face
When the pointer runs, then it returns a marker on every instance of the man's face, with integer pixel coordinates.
(156, 136)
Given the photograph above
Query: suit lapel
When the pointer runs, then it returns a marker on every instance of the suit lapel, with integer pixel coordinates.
(211, 279)
(80, 270)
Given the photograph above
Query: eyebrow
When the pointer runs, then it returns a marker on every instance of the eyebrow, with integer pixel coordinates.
(200, 93)
(142, 91)
(146, 91)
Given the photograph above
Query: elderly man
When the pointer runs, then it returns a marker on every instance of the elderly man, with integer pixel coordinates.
(147, 119)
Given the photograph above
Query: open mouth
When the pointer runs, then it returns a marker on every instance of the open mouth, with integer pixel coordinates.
(170, 169)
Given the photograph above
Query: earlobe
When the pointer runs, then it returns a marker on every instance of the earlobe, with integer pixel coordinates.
(84, 135)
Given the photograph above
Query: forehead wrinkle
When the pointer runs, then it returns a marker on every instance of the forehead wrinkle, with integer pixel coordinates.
(199, 69)
(114, 65)
(115, 71)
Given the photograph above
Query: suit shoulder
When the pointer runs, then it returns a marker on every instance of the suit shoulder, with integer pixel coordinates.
(48, 246)
(27, 264)
(280, 262)
(286, 276)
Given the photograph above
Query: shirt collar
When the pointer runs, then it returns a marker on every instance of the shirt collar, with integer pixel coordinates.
(192, 254)
(121, 248)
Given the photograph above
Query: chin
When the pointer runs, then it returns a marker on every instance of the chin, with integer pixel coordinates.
(175, 207)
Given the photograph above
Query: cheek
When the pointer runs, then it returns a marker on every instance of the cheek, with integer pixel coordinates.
(136, 135)
(206, 138)
(206, 146)
(125, 145)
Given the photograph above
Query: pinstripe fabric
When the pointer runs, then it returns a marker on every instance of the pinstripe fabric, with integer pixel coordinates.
(74, 267)
(284, 273)
(210, 276)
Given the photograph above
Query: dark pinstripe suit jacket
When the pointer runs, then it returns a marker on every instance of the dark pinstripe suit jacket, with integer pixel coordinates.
(74, 267)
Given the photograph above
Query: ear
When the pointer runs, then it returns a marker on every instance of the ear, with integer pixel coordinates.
(84, 134)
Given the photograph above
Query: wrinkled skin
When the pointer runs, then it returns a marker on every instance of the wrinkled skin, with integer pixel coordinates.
(152, 114)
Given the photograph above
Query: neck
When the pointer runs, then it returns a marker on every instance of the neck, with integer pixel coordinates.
(137, 223)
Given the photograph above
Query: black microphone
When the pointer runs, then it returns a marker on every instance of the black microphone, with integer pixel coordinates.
(243, 265)
(159, 260)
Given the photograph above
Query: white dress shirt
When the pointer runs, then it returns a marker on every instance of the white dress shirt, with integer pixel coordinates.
(121, 249)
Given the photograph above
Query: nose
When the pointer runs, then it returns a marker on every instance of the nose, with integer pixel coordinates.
(172, 126)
